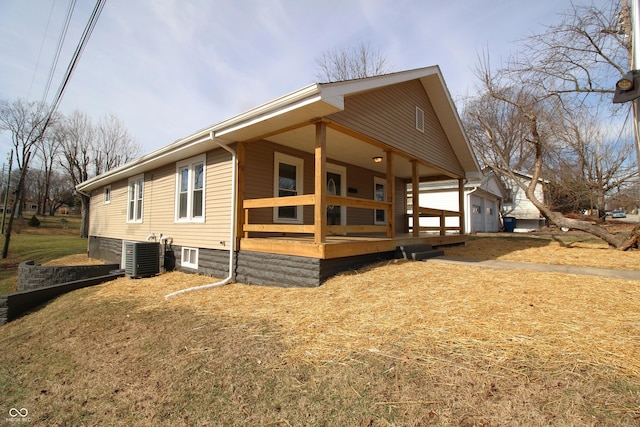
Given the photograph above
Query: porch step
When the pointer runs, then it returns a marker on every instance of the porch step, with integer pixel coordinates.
(419, 252)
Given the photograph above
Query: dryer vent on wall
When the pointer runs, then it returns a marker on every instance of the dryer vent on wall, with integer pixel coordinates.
(142, 259)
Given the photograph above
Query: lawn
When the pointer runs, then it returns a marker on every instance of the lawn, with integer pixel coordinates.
(398, 343)
(56, 237)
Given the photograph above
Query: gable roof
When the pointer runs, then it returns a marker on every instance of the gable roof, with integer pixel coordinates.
(310, 102)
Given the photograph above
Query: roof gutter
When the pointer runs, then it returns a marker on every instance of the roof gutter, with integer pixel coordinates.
(232, 227)
(126, 169)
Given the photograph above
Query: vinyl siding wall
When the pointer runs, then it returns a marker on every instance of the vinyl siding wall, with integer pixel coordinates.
(389, 115)
(109, 220)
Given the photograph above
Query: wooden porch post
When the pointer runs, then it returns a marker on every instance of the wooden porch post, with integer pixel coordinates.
(391, 192)
(415, 195)
(320, 205)
(461, 204)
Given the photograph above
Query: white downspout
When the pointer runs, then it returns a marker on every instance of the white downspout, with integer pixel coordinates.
(467, 214)
(232, 228)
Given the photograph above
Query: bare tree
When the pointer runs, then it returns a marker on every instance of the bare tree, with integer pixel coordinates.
(595, 161)
(27, 122)
(538, 111)
(581, 55)
(351, 63)
(77, 137)
(547, 87)
(61, 192)
(48, 155)
(89, 150)
(114, 145)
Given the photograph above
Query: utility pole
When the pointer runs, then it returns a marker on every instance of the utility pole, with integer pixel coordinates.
(6, 192)
(635, 62)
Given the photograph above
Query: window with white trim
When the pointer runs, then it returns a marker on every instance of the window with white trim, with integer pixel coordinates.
(189, 258)
(288, 172)
(190, 187)
(135, 198)
(379, 195)
(107, 194)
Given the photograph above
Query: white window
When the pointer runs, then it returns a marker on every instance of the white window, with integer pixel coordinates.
(107, 194)
(379, 195)
(189, 258)
(190, 180)
(135, 199)
(287, 180)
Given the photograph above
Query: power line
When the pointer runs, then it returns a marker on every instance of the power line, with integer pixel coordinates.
(44, 37)
(93, 19)
(63, 35)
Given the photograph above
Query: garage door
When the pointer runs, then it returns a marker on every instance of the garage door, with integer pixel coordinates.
(477, 214)
(491, 216)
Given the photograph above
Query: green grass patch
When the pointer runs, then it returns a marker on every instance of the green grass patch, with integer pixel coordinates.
(54, 238)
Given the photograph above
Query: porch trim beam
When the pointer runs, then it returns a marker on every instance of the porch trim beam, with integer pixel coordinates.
(377, 143)
(461, 205)
(320, 190)
(415, 195)
(433, 178)
(391, 192)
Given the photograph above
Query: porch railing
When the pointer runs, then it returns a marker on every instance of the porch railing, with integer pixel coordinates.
(310, 200)
(436, 213)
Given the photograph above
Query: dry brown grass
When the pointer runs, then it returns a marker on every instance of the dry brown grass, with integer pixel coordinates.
(572, 248)
(76, 259)
(399, 343)
(420, 306)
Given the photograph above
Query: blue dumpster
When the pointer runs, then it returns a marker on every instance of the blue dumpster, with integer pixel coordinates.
(509, 224)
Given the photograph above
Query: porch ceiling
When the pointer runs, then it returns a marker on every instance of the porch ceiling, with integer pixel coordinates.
(348, 149)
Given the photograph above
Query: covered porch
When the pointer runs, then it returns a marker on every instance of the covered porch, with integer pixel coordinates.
(391, 216)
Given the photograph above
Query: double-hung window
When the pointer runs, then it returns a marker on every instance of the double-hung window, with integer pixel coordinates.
(190, 179)
(287, 179)
(135, 199)
(107, 194)
(379, 195)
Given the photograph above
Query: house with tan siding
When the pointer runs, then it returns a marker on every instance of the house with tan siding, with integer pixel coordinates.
(295, 190)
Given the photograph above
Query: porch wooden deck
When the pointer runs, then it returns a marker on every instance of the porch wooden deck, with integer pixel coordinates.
(342, 246)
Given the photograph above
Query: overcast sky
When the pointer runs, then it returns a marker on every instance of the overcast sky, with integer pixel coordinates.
(168, 68)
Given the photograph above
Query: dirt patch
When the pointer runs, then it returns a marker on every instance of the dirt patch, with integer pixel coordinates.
(72, 260)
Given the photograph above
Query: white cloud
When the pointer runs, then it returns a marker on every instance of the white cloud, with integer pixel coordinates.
(168, 68)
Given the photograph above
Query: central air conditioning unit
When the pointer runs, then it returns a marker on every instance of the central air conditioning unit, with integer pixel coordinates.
(141, 259)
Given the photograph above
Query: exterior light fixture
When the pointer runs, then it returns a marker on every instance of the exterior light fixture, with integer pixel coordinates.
(377, 159)
(627, 88)
(625, 83)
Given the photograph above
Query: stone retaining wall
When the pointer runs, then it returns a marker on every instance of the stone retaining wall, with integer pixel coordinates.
(14, 305)
(33, 276)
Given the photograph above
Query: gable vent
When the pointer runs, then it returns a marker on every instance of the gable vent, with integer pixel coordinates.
(420, 119)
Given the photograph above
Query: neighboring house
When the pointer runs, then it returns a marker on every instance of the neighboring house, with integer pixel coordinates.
(295, 190)
(482, 200)
(517, 205)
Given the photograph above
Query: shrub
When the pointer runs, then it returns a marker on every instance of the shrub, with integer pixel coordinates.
(34, 222)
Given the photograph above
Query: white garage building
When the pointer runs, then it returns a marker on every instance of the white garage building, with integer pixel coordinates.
(482, 202)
